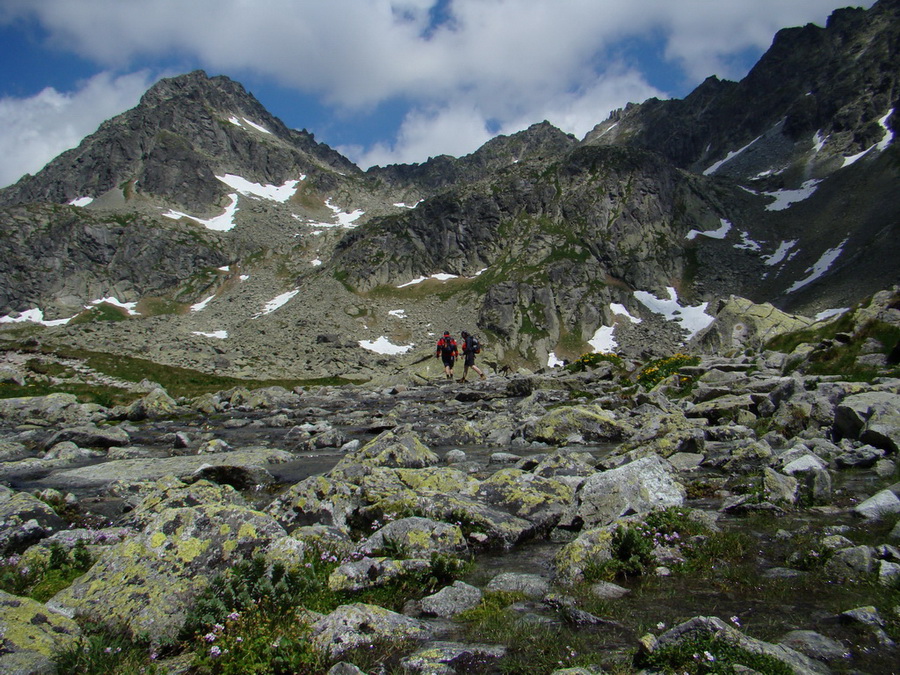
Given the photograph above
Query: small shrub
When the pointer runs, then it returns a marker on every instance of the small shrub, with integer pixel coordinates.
(42, 581)
(708, 654)
(659, 369)
(103, 650)
(631, 557)
(252, 583)
(257, 641)
(592, 360)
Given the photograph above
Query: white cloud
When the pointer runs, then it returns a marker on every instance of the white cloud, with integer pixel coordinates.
(455, 130)
(38, 128)
(492, 64)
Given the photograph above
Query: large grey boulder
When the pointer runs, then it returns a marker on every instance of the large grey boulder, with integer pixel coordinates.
(148, 583)
(417, 538)
(24, 520)
(184, 467)
(451, 600)
(872, 417)
(396, 448)
(30, 635)
(51, 410)
(90, 436)
(577, 424)
(638, 487)
(359, 625)
(879, 505)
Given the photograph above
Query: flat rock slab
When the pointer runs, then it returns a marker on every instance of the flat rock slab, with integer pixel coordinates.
(134, 470)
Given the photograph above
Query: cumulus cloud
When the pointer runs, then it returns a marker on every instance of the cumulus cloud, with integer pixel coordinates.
(454, 130)
(459, 63)
(37, 128)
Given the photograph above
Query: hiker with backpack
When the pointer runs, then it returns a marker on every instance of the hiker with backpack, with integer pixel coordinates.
(470, 348)
(447, 351)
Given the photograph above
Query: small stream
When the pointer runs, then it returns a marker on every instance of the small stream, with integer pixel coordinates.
(763, 607)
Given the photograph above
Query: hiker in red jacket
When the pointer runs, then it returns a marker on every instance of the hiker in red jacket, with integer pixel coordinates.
(446, 350)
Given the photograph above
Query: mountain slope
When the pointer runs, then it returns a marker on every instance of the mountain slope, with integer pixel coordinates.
(271, 254)
(816, 96)
(184, 132)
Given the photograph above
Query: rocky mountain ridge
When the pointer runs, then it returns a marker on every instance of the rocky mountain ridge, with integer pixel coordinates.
(547, 245)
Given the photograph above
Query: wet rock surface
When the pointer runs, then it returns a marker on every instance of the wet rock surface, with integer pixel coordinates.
(394, 475)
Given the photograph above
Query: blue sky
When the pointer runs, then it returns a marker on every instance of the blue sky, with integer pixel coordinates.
(382, 81)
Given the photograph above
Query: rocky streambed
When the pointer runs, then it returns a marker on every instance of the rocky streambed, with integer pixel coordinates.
(731, 517)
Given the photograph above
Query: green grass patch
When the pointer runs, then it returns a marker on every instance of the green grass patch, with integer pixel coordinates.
(531, 647)
(41, 580)
(176, 381)
(246, 621)
(102, 312)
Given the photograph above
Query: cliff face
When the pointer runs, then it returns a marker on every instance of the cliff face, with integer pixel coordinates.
(817, 95)
(780, 188)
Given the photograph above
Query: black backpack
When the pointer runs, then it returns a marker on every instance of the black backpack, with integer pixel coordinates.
(474, 345)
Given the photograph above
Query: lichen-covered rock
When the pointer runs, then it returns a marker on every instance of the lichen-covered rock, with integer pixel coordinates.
(155, 405)
(741, 323)
(149, 582)
(24, 520)
(561, 463)
(446, 658)
(778, 487)
(396, 448)
(577, 424)
(326, 539)
(360, 625)
(451, 600)
(264, 397)
(666, 433)
(388, 490)
(749, 456)
(872, 417)
(357, 575)
(724, 407)
(487, 526)
(854, 563)
(637, 487)
(525, 495)
(171, 493)
(30, 633)
(417, 538)
(50, 411)
(317, 500)
(590, 548)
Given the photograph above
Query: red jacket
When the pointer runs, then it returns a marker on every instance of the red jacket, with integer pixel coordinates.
(446, 345)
